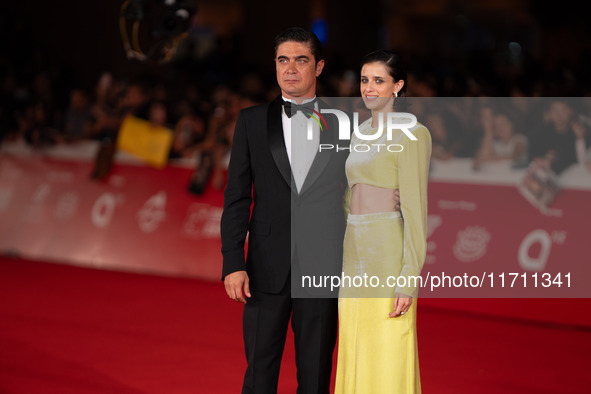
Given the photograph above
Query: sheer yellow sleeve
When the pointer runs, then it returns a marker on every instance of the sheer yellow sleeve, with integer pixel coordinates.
(413, 173)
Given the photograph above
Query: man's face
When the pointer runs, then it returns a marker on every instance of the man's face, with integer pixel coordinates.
(297, 70)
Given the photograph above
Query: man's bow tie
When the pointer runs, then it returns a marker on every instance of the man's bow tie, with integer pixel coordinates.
(292, 108)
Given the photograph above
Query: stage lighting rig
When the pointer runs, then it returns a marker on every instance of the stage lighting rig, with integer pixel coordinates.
(166, 23)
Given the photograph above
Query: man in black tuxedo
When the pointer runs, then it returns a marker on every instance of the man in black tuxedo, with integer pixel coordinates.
(297, 220)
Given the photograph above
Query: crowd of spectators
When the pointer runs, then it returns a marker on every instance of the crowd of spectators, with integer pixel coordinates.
(516, 129)
(40, 104)
(202, 125)
(553, 132)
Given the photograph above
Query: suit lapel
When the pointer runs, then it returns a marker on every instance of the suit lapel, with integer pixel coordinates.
(276, 139)
(322, 158)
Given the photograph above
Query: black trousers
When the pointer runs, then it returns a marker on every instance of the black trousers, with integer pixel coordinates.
(265, 323)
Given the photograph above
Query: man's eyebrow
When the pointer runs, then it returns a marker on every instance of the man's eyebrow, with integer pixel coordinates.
(295, 57)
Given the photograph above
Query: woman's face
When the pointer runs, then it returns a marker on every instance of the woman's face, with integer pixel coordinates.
(378, 87)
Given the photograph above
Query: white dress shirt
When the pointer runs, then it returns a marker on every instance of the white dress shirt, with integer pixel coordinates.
(300, 151)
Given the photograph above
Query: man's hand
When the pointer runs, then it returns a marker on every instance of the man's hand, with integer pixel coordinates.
(235, 283)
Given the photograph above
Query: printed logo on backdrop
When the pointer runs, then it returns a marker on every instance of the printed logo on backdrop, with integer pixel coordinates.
(34, 210)
(61, 176)
(117, 180)
(153, 213)
(202, 221)
(103, 209)
(471, 243)
(543, 240)
(433, 223)
(66, 205)
(457, 205)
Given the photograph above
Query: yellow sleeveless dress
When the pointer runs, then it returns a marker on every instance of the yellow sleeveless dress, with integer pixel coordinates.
(378, 354)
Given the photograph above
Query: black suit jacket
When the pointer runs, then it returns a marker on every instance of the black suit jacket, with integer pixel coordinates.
(283, 222)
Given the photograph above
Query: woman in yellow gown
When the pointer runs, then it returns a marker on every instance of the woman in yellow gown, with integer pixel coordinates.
(377, 351)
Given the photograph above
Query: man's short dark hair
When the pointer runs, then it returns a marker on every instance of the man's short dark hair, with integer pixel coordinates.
(297, 34)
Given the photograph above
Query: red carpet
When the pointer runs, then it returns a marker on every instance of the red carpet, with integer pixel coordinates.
(65, 329)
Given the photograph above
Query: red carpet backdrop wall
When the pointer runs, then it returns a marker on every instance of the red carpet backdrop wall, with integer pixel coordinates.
(143, 219)
(139, 218)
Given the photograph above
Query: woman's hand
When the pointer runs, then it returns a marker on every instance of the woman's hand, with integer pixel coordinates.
(401, 304)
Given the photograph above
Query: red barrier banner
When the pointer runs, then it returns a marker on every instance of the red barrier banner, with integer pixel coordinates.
(143, 219)
(485, 239)
(139, 218)
(492, 243)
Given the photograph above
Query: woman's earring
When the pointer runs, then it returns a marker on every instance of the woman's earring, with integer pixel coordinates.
(395, 94)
